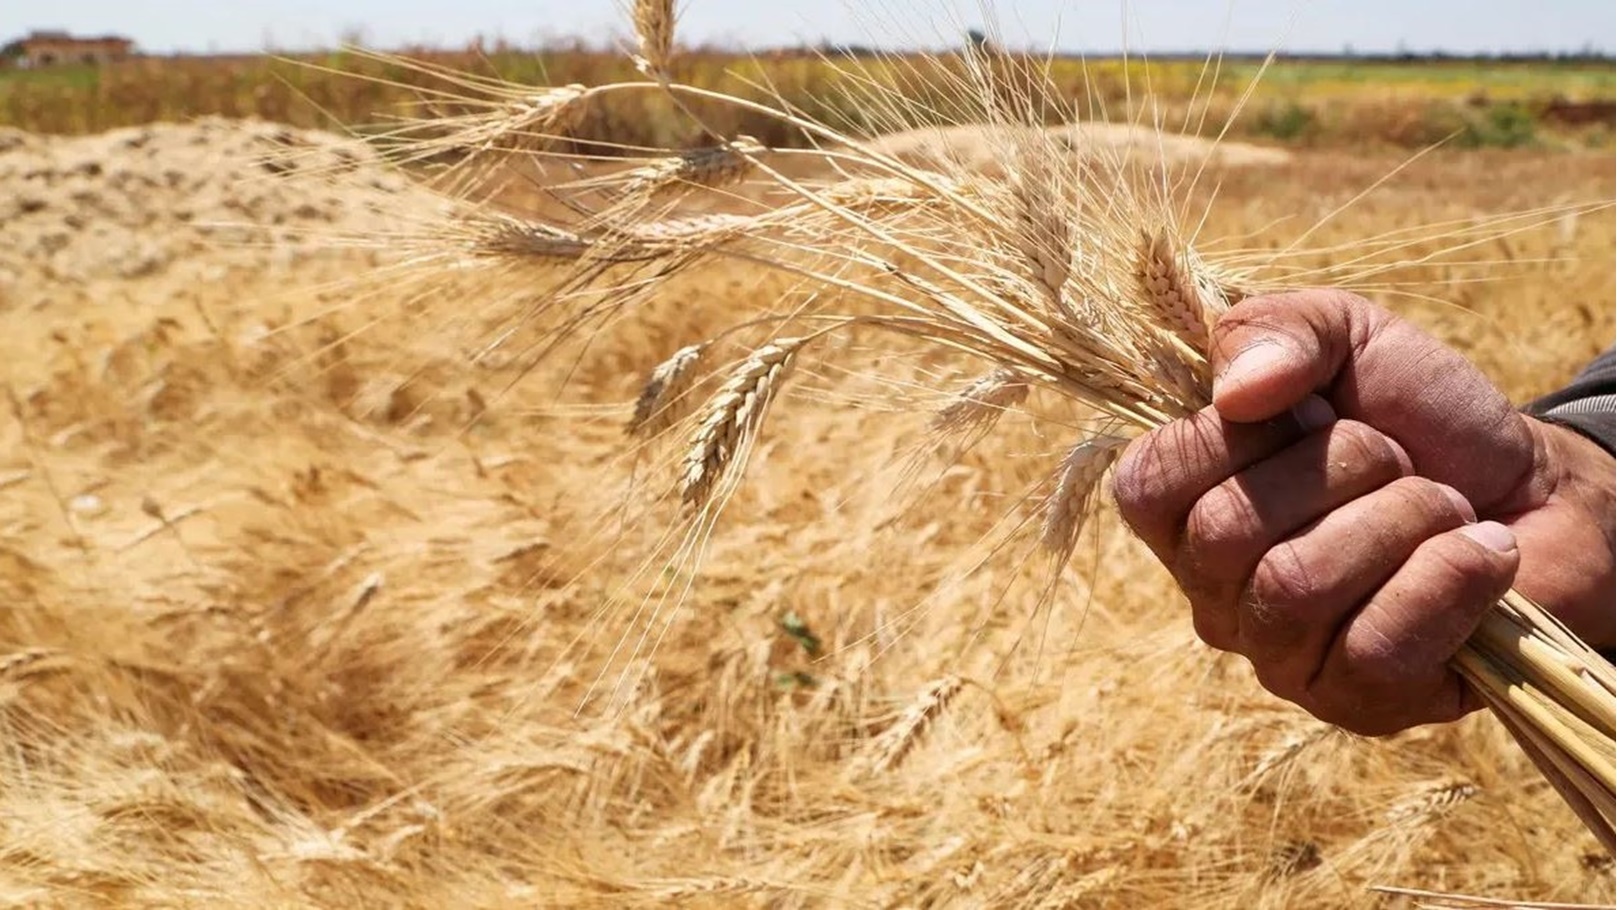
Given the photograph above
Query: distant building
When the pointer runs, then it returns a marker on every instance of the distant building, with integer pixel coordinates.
(41, 49)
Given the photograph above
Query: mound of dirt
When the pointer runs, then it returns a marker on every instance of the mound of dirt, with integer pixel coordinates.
(132, 202)
(981, 149)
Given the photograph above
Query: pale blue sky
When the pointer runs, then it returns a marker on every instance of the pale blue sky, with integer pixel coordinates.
(1295, 25)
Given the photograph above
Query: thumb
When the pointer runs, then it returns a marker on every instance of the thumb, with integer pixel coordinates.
(1270, 353)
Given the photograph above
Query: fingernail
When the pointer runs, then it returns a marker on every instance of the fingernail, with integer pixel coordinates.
(1314, 413)
(1492, 535)
(1464, 505)
(1253, 361)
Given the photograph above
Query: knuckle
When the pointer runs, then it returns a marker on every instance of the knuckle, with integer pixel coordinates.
(1426, 497)
(1361, 710)
(1137, 486)
(1221, 530)
(1361, 722)
(1277, 682)
(1363, 449)
(1381, 676)
(1348, 301)
(1456, 573)
(1155, 477)
(1211, 628)
(1284, 576)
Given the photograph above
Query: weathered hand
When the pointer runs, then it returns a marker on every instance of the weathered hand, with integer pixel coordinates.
(1355, 500)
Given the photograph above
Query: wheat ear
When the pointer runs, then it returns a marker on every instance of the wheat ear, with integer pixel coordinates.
(1174, 295)
(978, 406)
(889, 748)
(1045, 235)
(715, 167)
(733, 416)
(654, 27)
(1432, 802)
(547, 113)
(1068, 506)
(663, 398)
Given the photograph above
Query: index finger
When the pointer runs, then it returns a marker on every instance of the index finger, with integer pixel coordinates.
(1163, 473)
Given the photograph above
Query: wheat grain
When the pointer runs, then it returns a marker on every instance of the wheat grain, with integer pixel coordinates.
(1067, 507)
(663, 400)
(733, 416)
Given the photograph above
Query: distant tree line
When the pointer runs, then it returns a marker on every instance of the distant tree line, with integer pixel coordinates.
(976, 39)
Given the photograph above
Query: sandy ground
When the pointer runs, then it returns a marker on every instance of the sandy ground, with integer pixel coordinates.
(305, 589)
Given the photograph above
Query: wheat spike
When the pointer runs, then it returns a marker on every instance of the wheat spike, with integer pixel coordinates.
(727, 886)
(654, 27)
(1436, 900)
(978, 406)
(1068, 506)
(889, 748)
(662, 400)
(1176, 296)
(1432, 802)
(1282, 754)
(1045, 235)
(1089, 885)
(548, 113)
(503, 236)
(698, 231)
(733, 415)
(885, 195)
(32, 662)
(715, 167)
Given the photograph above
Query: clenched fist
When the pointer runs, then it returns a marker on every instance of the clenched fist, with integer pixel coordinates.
(1355, 500)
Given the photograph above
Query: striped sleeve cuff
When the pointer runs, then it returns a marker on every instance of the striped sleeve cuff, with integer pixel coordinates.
(1588, 405)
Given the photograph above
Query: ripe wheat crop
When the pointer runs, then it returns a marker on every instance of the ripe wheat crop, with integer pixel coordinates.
(632, 534)
(1076, 274)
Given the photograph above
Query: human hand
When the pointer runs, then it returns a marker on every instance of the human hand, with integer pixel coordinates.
(1355, 500)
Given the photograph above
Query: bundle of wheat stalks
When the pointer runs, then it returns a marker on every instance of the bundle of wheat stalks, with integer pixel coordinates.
(1073, 278)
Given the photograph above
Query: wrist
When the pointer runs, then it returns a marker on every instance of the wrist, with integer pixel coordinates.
(1580, 471)
(1563, 517)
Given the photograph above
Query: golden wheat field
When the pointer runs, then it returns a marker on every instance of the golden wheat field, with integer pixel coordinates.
(315, 597)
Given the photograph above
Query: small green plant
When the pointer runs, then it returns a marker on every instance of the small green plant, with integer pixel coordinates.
(798, 630)
(1286, 121)
(1508, 125)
